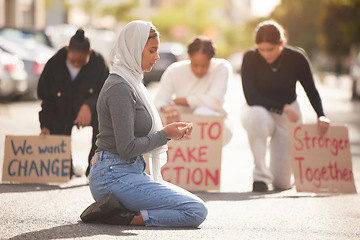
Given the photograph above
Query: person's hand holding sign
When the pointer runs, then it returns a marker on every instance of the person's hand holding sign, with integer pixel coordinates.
(323, 125)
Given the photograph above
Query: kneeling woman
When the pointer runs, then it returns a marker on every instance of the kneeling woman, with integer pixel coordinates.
(197, 85)
(129, 126)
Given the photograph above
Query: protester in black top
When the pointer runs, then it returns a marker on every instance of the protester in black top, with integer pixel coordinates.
(69, 87)
(269, 76)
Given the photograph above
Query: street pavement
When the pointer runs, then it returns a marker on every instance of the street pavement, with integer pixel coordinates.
(34, 211)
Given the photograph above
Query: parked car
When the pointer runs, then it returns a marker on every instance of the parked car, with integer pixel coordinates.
(169, 53)
(33, 47)
(355, 75)
(13, 77)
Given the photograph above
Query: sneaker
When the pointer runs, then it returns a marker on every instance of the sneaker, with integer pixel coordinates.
(109, 211)
(259, 186)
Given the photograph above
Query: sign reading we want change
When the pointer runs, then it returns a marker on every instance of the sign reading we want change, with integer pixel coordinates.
(32, 159)
(321, 163)
(195, 163)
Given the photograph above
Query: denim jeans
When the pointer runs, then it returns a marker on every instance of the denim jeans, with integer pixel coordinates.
(161, 204)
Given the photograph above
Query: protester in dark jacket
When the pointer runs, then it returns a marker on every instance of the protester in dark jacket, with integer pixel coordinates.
(69, 87)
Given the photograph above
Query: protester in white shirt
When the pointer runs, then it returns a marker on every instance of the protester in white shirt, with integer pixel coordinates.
(196, 86)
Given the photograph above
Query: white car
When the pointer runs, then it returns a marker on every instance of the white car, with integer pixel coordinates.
(32, 48)
(13, 77)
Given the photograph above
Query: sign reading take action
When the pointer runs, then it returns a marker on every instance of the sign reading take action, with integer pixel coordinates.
(321, 163)
(32, 159)
(195, 163)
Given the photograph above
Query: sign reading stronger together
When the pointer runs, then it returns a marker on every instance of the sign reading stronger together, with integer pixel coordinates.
(321, 163)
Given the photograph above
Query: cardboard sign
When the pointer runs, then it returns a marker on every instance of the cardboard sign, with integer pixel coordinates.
(31, 159)
(321, 163)
(195, 163)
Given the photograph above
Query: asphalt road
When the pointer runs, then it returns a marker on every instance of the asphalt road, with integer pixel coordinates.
(34, 211)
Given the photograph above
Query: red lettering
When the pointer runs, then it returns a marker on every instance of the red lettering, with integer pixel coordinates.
(326, 141)
(178, 170)
(167, 152)
(321, 142)
(340, 144)
(306, 139)
(202, 152)
(344, 175)
(215, 179)
(335, 145)
(179, 154)
(313, 141)
(330, 167)
(190, 154)
(298, 148)
(216, 136)
(317, 177)
(323, 173)
(188, 176)
(311, 177)
(300, 168)
(201, 176)
(202, 128)
(337, 171)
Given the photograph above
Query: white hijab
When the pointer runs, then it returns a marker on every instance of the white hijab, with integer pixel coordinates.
(126, 62)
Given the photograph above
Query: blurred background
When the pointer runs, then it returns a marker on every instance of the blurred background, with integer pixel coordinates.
(31, 31)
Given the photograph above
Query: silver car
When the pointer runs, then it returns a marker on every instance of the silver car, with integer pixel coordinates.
(169, 52)
(13, 77)
(32, 48)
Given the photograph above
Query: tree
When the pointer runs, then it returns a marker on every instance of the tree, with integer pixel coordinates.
(340, 27)
(121, 11)
(182, 20)
(301, 21)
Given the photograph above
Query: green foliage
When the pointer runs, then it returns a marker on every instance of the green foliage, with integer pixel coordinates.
(122, 12)
(183, 20)
(301, 21)
(331, 25)
(341, 26)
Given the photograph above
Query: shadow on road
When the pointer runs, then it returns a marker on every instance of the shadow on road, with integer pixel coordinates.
(77, 230)
(246, 196)
(82, 230)
(18, 188)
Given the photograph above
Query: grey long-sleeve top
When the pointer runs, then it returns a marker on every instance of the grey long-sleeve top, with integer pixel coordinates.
(124, 122)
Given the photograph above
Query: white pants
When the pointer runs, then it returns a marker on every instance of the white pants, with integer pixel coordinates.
(260, 125)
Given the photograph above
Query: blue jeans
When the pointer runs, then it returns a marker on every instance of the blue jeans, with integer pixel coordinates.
(161, 204)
